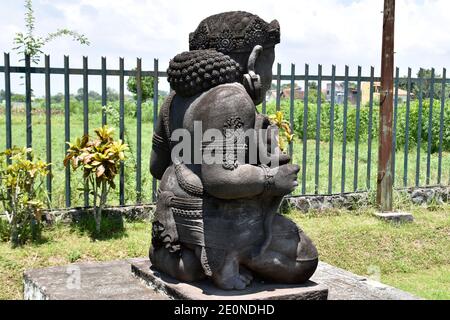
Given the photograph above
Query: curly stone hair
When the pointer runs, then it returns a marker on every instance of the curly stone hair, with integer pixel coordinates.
(196, 71)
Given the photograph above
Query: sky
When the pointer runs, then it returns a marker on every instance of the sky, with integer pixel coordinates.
(316, 32)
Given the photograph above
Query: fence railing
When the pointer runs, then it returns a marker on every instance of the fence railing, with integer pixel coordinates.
(343, 95)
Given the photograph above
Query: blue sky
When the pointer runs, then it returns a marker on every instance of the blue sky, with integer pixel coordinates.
(322, 31)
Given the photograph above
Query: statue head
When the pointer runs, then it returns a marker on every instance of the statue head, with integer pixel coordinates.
(246, 39)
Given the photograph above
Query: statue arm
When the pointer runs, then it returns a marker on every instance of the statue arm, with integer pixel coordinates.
(243, 180)
(160, 154)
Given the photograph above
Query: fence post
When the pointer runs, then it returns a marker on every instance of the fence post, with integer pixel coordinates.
(155, 118)
(138, 129)
(291, 108)
(122, 129)
(384, 179)
(8, 105)
(86, 118)
(430, 124)
(104, 89)
(48, 125)
(28, 93)
(305, 128)
(67, 125)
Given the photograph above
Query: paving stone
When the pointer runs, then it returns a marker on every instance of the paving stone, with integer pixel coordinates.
(205, 290)
(114, 280)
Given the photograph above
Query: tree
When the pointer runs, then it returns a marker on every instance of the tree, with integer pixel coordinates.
(425, 74)
(58, 98)
(147, 87)
(111, 94)
(92, 95)
(2, 95)
(30, 44)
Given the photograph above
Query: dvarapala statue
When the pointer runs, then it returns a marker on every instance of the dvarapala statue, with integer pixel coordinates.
(219, 219)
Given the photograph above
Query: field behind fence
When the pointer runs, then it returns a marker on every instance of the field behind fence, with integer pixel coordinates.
(334, 117)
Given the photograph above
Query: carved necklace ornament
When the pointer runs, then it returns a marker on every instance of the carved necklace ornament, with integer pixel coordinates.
(234, 136)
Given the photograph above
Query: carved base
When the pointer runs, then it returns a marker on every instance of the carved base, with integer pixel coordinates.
(205, 290)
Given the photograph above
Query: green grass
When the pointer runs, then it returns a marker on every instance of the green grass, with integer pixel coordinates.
(414, 257)
(76, 130)
(62, 245)
(76, 127)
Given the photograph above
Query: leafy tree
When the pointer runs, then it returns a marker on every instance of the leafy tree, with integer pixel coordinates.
(92, 95)
(426, 85)
(147, 87)
(17, 97)
(29, 43)
(2, 95)
(111, 94)
(58, 98)
(312, 85)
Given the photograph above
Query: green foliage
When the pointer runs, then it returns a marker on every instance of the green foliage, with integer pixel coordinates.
(147, 87)
(325, 127)
(92, 95)
(285, 135)
(29, 44)
(100, 158)
(425, 74)
(22, 194)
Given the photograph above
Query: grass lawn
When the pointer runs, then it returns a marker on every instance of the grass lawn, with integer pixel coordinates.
(414, 257)
(76, 125)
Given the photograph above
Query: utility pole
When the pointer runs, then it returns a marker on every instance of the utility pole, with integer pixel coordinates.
(385, 179)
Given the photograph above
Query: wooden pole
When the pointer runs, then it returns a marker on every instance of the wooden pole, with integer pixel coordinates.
(384, 179)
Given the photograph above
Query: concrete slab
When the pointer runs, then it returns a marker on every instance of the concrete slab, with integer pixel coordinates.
(205, 290)
(395, 216)
(344, 285)
(114, 281)
(87, 281)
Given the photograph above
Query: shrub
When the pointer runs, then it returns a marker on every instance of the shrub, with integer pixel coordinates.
(100, 158)
(22, 194)
(364, 122)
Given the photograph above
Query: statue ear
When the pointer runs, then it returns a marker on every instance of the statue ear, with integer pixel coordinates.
(274, 26)
(252, 81)
(191, 37)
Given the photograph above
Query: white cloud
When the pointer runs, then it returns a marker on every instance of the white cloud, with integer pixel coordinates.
(323, 31)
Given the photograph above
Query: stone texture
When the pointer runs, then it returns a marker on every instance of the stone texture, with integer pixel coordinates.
(205, 290)
(351, 201)
(114, 281)
(131, 213)
(97, 281)
(395, 216)
(344, 285)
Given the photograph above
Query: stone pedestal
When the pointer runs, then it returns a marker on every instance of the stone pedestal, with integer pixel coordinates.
(205, 290)
(114, 280)
(395, 216)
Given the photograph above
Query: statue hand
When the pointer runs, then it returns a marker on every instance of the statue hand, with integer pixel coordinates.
(284, 179)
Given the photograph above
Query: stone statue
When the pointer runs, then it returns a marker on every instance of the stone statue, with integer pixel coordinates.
(219, 219)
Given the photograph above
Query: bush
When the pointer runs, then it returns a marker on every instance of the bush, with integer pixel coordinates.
(21, 194)
(100, 158)
(325, 116)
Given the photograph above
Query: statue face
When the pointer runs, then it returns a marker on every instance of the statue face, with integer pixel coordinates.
(263, 67)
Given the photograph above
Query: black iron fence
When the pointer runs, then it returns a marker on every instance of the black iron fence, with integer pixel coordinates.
(334, 119)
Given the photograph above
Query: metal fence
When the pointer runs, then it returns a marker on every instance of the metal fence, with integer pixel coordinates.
(307, 79)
